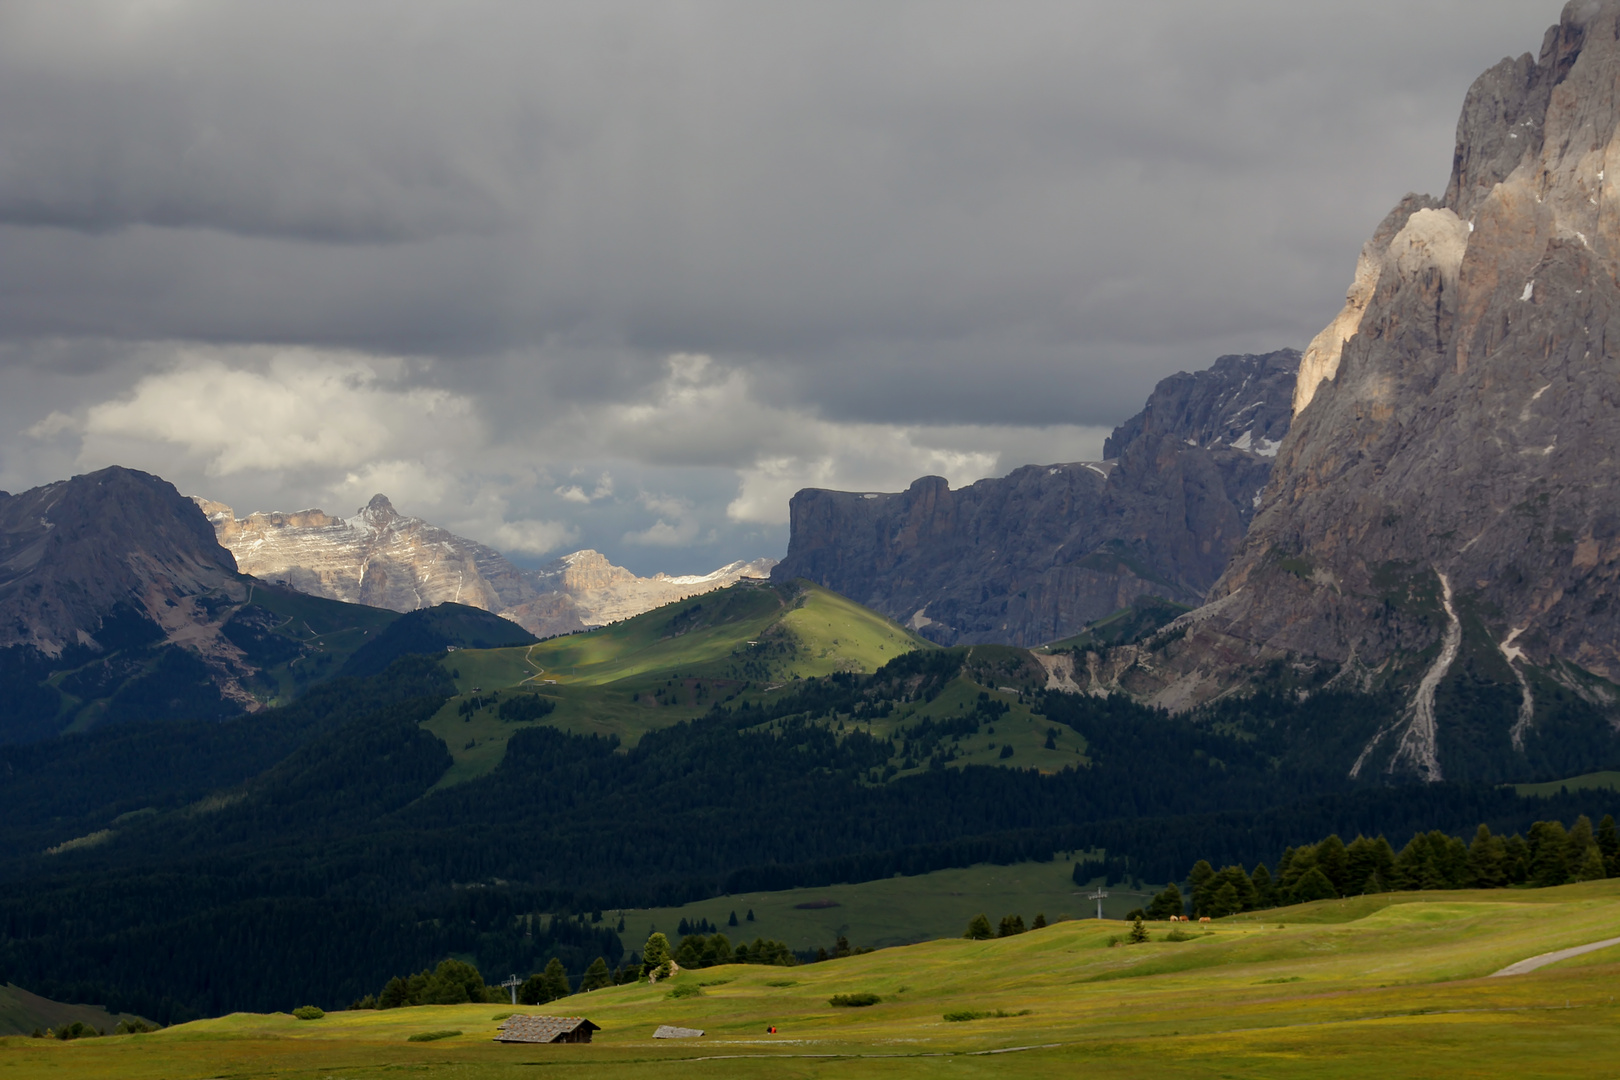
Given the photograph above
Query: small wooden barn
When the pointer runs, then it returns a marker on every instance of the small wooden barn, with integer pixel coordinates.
(546, 1029)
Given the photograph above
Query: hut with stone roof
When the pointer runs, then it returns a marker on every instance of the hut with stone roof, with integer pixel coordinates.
(546, 1029)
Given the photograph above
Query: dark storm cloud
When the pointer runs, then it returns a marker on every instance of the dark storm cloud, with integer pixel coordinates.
(934, 214)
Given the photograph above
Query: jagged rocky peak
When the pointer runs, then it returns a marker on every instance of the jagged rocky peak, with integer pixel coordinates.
(1239, 401)
(379, 512)
(1036, 555)
(1443, 508)
(386, 559)
(75, 552)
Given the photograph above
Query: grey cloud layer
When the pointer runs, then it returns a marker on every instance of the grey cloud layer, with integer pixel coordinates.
(905, 233)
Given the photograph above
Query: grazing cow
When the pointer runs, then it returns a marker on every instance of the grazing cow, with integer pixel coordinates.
(1205, 919)
(1175, 918)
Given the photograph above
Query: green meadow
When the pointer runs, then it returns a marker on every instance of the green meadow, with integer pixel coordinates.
(1391, 986)
(747, 642)
(891, 911)
(668, 665)
(1586, 782)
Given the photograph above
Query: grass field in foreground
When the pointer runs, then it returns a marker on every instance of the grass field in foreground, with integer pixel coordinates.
(892, 911)
(1390, 986)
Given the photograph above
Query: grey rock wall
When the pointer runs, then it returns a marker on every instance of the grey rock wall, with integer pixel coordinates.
(1036, 555)
(1446, 497)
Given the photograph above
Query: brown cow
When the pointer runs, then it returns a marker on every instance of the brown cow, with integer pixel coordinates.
(1205, 919)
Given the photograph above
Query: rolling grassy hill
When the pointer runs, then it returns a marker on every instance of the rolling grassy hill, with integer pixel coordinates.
(892, 911)
(754, 643)
(22, 1012)
(667, 665)
(1587, 782)
(1394, 985)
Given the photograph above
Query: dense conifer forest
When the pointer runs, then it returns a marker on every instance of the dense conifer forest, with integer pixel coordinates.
(300, 855)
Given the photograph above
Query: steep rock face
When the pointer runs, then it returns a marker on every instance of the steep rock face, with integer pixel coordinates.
(1447, 488)
(76, 552)
(378, 557)
(1037, 554)
(587, 588)
(382, 558)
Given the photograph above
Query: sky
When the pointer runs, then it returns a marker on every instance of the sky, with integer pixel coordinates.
(628, 275)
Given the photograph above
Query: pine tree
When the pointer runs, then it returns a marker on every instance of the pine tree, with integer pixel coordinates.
(979, 928)
(1225, 901)
(1518, 859)
(1549, 849)
(1010, 925)
(1040, 921)
(1370, 863)
(1167, 903)
(750, 914)
(535, 990)
(1580, 841)
(1198, 879)
(1265, 891)
(1487, 860)
(1295, 863)
(1608, 839)
(596, 976)
(557, 979)
(1313, 885)
(1139, 931)
(1334, 862)
(655, 953)
(733, 920)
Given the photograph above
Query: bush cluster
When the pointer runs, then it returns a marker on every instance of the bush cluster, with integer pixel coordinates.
(853, 1001)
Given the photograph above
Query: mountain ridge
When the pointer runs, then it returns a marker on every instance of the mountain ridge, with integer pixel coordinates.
(1440, 521)
(1036, 555)
(385, 559)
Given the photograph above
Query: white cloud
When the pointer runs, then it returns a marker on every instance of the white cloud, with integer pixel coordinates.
(533, 537)
(677, 524)
(574, 493)
(705, 414)
(699, 458)
(297, 409)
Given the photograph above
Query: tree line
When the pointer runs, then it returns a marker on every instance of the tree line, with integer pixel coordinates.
(1330, 868)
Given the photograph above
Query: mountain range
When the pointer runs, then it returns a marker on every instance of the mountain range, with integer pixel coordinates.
(1038, 554)
(1364, 589)
(384, 559)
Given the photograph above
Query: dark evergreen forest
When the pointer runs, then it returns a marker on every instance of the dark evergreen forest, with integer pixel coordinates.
(296, 855)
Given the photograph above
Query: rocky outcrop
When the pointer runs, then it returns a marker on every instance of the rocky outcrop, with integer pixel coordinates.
(1444, 503)
(585, 589)
(378, 557)
(112, 587)
(108, 545)
(1036, 555)
(382, 558)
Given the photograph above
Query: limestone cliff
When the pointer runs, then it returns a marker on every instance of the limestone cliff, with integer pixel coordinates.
(1443, 507)
(382, 558)
(1036, 555)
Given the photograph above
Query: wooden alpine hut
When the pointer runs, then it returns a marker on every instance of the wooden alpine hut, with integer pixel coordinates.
(546, 1029)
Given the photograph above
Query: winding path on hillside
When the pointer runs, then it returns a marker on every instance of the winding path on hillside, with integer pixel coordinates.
(1553, 957)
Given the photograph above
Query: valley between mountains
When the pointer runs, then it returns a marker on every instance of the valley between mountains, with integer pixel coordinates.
(1306, 606)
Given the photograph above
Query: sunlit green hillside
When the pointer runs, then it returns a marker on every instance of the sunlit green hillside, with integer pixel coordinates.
(664, 666)
(1392, 986)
